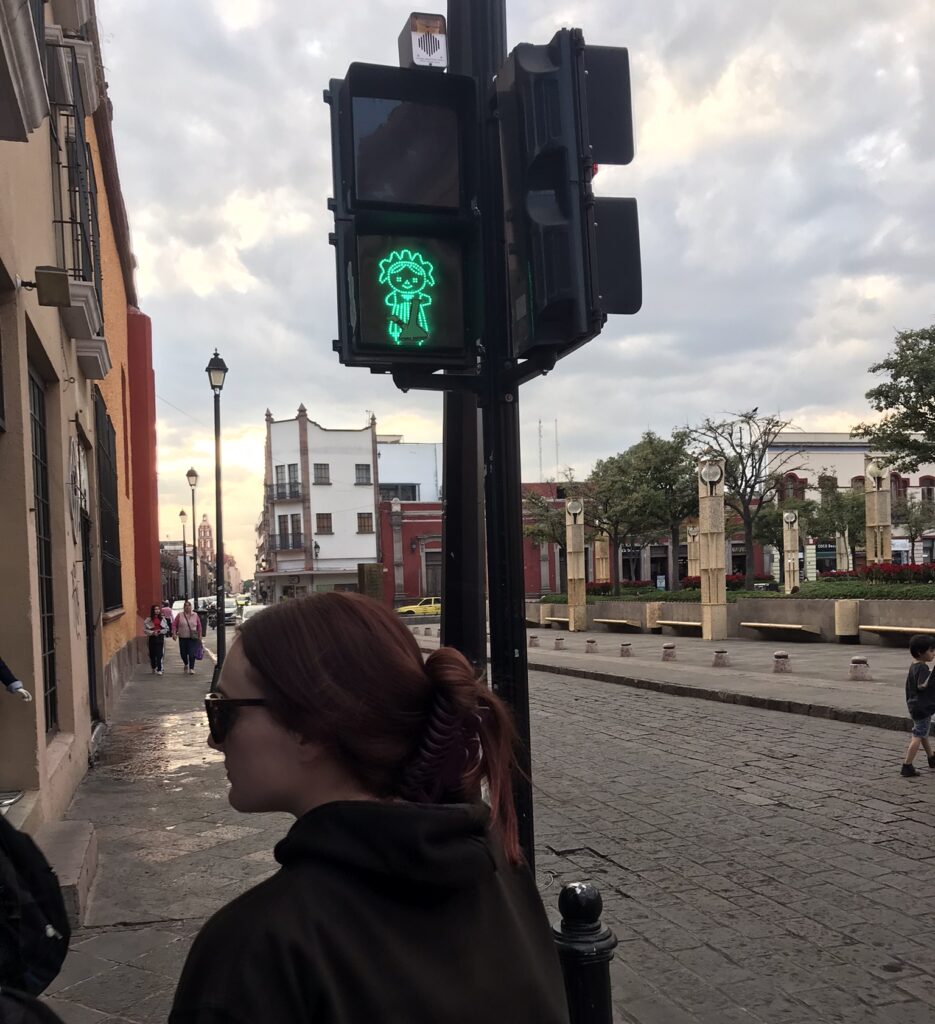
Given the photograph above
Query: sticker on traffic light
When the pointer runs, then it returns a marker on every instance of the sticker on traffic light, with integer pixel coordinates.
(410, 293)
(409, 278)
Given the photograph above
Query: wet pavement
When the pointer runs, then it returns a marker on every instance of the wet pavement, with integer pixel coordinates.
(756, 866)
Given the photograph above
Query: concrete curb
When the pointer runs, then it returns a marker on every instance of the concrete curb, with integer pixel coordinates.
(878, 720)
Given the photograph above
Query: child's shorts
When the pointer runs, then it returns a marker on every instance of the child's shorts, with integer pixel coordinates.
(921, 726)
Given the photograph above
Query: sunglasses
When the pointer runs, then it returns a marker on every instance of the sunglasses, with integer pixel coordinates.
(222, 712)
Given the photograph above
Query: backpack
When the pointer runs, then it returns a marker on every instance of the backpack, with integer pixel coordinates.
(34, 928)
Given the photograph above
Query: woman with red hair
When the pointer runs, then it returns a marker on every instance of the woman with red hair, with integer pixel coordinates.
(402, 895)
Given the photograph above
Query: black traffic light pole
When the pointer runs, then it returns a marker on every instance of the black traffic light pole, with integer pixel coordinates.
(478, 47)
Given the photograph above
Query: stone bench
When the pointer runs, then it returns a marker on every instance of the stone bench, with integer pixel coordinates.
(619, 622)
(678, 623)
(899, 629)
(556, 618)
(796, 627)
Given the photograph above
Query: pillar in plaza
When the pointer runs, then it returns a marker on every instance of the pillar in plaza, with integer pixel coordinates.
(842, 552)
(574, 548)
(879, 531)
(712, 561)
(693, 535)
(602, 557)
(790, 550)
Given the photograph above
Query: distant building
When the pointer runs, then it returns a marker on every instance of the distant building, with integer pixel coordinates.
(319, 507)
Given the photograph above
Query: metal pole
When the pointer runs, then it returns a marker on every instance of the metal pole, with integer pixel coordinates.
(221, 642)
(585, 949)
(194, 556)
(464, 612)
(479, 42)
(184, 566)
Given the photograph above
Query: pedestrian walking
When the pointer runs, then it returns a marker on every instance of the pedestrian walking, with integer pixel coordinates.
(167, 615)
(401, 895)
(157, 627)
(187, 628)
(920, 699)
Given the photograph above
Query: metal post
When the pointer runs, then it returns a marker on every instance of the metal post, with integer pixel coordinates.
(184, 566)
(585, 949)
(478, 47)
(194, 556)
(221, 641)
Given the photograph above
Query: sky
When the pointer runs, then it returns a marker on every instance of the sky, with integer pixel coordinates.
(784, 161)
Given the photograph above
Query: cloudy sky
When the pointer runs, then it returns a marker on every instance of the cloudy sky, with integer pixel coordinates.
(785, 159)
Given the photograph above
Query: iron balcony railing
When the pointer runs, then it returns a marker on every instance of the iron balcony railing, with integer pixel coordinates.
(292, 491)
(74, 189)
(286, 541)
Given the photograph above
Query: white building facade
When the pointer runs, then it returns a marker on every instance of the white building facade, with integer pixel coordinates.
(819, 460)
(410, 471)
(319, 508)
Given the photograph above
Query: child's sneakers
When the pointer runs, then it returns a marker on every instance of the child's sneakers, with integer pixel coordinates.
(908, 771)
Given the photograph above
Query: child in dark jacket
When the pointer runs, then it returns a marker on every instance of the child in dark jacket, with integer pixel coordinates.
(920, 699)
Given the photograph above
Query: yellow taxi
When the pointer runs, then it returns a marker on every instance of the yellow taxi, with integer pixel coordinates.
(427, 606)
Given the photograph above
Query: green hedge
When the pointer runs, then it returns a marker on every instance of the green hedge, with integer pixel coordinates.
(678, 596)
(840, 588)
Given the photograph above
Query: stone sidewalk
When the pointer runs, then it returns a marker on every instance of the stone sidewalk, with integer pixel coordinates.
(816, 685)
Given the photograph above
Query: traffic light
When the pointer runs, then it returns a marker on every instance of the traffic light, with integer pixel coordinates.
(572, 258)
(406, 237)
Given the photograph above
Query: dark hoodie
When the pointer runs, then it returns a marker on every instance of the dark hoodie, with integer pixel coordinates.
(380, 914)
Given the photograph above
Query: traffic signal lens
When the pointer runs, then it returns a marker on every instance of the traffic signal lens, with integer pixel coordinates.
(410, 293)
(406, 152)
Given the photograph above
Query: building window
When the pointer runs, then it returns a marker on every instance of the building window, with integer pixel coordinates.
(793, 488)
(296, 530)
(40, 484)
(827, 486)
(323, 522)
(405, 492)
(899, 487)
(280, 475)
(857, 484)
(362, 473)
(365, 522)
(111, 581)
(927, 488)
(322, 473)
(283, 532)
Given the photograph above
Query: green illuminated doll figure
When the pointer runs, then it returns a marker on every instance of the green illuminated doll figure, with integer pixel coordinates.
(408, 275)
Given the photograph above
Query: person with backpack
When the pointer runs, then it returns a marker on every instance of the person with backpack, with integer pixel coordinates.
(34, 928)
(157, 627)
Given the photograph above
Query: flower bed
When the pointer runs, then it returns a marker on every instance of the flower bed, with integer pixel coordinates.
(886, 572)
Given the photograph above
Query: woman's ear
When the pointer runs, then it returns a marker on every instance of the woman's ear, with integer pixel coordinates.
(308, 751)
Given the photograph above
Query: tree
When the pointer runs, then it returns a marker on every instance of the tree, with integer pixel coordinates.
(915, 517)
(610, 506)
(667, 487)
(543, 518)
(753, 468)
(841, 512)
(906, 434)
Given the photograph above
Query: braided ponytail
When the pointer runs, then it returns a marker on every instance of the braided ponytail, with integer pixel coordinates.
(469, 737)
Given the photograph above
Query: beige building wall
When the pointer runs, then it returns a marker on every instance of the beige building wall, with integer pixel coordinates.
(48, 764)
(121, 627)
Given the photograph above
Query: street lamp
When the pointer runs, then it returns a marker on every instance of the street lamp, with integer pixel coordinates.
(192, 477)
(217, 371)
(183, 519)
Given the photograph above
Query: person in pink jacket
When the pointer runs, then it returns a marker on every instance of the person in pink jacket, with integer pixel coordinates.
(188, 634)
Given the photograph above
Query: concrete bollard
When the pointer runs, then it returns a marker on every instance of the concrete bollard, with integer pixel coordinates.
(626, 650)
(590, 646)
(721, 659)
(585, 949)
(534, 641)
(427, 631)
(780, 662)
(559, 643)
(859, 669)
(668, 652)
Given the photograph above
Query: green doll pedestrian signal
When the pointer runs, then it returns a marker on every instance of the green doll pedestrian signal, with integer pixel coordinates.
(408, 277)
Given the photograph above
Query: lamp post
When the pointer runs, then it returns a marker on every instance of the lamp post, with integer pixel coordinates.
(192, 477)
(183, 519)
(217, 371)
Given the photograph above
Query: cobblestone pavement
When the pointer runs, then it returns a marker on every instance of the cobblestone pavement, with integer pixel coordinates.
(756, 866)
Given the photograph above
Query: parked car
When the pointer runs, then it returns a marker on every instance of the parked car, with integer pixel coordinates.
(231, 611)
(427, 606)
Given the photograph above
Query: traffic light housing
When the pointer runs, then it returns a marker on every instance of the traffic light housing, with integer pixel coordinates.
(406, 236)
(572, 258)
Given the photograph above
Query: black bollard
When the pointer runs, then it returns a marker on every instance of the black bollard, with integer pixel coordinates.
(585, 949)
